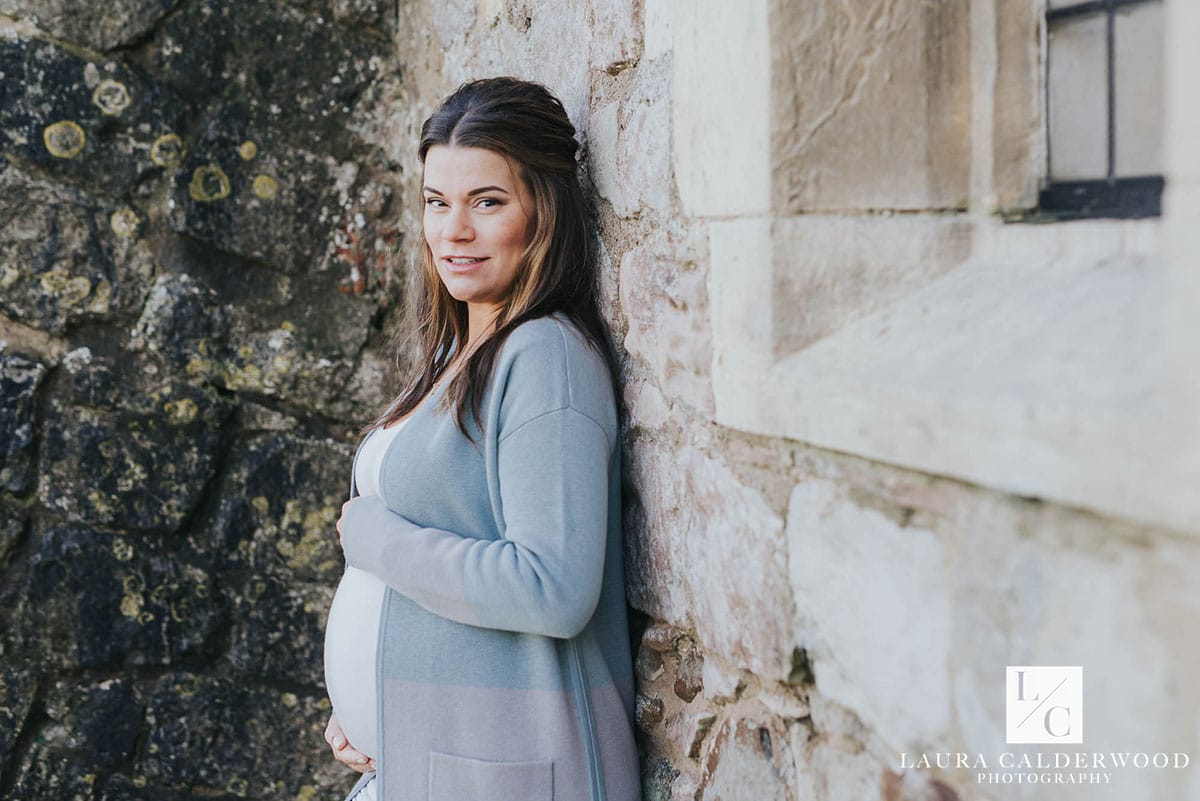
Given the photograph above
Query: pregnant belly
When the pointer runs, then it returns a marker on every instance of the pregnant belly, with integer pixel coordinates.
(351, 640)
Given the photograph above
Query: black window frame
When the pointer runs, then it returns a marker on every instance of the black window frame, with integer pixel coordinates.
(1126, 197)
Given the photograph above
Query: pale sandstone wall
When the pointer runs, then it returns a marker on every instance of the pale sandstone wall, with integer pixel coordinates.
(813, 192)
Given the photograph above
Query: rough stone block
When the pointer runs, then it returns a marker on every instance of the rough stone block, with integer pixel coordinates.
(686, 729)
(248, 742)
(689, 671)
(65, 257)
(304, 100)
(452, 19)
(17, 687)
(280, 499)
(663, 301)
(616, 34)
(46, 773)
(19, 380)
(630, 146)
(94, 123)
(180, 321)
(245, 189)
(721, 106)
(871, 590)
(1017, 596)
(96, 600)
(829, 271)
(279, 630)
(295, 337)
(748, 760)
(721, 685)
(846, 78)
(657, 34)
(97, 26)
(648, 713)
(1018, 106)
(129, 453)
(657, 781)
(98, 723)
(734, 590)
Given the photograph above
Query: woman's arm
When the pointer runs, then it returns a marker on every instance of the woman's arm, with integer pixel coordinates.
(543, 576)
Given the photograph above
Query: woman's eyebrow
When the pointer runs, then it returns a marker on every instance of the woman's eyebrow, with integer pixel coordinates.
(473, 192)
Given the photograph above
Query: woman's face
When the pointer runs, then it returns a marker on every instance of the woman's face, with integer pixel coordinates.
(478, 220)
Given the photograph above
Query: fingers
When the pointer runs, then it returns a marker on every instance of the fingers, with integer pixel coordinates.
(339, 522)
(343, 751)
(354, 759)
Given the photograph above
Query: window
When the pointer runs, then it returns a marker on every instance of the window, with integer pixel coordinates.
(1104, 108)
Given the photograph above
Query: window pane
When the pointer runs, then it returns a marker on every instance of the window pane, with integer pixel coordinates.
(1078, 87)
(1138, 61)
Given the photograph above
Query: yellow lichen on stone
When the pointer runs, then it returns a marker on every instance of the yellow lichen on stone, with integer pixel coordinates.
(180, 610)
(99, 503)
(124, 222)
(289, 326)
(247, 150)
(243, 377)
(111, 97)
(101, 297)
(265, 187)
(306, 793)
(8, 276)
(289, 700)
(181, 412)
(131, 605)
(209, 183)
(168, 151)
(303, 552)
(260, 504)
(122, 550)
(197, 367)
(64, 139)
(70, 290)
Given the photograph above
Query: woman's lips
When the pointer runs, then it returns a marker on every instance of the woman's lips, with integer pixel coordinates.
(463, 266)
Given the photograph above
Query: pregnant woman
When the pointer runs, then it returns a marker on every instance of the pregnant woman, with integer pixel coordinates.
(477, 648)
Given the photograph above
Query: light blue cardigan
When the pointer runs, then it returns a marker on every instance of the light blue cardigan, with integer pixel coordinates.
(504, 669)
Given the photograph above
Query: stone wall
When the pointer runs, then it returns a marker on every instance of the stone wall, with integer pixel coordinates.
(885, 444)
(194, 269)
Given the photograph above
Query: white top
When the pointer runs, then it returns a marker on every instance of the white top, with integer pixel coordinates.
(352, 631)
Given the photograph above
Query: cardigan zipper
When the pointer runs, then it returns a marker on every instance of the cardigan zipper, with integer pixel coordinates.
(588, 726)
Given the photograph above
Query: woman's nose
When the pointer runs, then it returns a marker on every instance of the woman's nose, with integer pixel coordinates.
(456, 225)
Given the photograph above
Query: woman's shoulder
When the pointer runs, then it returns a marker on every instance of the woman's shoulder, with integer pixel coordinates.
(547, 363)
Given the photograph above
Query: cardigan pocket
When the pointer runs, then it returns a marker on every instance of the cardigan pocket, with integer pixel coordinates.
(458, 778)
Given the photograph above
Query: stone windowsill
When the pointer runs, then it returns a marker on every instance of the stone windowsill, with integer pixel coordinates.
(1036, 366)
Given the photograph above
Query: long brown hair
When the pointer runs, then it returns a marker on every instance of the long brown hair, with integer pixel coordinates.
(527, 125)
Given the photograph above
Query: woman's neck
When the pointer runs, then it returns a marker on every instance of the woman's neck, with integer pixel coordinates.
(481, 319)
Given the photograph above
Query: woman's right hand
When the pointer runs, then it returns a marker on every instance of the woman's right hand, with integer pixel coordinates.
(343, 752)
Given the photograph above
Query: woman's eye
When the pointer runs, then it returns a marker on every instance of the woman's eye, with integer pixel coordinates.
(434, 201)
(489, 202)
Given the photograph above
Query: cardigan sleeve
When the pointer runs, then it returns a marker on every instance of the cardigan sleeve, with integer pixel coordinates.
(543, 575)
